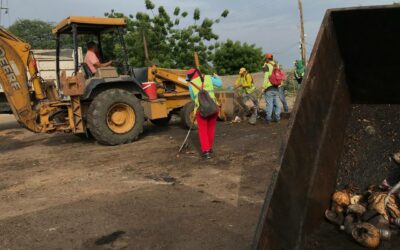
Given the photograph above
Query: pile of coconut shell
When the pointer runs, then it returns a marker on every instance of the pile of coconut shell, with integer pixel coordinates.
(369, 217)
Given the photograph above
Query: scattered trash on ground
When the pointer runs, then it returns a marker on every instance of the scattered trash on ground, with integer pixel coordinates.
(237, 120)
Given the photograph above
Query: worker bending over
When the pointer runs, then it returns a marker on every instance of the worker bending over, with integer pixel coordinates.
(206, 125)
(245, 91)
(92, 59)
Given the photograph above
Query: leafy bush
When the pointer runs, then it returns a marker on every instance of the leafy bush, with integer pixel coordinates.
(230, 56)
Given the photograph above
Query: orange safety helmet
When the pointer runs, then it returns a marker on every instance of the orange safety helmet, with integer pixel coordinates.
(269, 56)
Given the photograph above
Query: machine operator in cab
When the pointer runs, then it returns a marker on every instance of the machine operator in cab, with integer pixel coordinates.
(92, 58)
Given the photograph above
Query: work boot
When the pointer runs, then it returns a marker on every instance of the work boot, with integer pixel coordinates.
(253, 119)
(207, 155)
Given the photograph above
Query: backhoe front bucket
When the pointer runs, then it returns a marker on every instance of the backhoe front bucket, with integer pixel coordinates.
(352, 77)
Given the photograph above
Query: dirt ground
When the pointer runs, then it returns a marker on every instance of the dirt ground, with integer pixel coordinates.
(62, 192)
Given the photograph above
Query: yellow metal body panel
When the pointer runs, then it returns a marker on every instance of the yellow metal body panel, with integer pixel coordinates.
(177, 103)
(155, 109)
(72, 85)
(89, 20)
(160, 75)
(75, 113)
(163, 76)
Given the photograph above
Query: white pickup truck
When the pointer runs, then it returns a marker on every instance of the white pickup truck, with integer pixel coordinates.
(46, 62)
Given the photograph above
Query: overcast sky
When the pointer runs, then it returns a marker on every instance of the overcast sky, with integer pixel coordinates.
(270, 24)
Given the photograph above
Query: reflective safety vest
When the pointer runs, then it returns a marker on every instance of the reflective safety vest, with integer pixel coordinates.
(208, 86)
(247, 83)
(267, 75)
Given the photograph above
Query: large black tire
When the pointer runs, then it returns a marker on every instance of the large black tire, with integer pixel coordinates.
(187, 116)
(98, 117)
(163, 122)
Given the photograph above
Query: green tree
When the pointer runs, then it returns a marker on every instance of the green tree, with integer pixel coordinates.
(169, 44)
(35, 32)
(230, 56)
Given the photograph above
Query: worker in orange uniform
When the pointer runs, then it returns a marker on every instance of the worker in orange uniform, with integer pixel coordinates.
(206, 125)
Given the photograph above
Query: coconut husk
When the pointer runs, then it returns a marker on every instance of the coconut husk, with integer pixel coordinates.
(340, 201)
(356, 209)
(367, 235)
(349, 223)
(333, 217)
(355, 199)
(376, 202)
(396, 157)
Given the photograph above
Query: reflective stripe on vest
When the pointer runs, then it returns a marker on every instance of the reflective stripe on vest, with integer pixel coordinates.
(208, 86)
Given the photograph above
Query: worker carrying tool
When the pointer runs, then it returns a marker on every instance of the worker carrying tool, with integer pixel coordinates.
(201, 90)
(245, 91)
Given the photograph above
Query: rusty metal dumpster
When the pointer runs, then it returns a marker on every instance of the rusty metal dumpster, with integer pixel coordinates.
(354, 66)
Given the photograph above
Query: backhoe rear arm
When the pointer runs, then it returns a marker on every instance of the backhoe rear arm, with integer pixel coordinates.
(15, 60)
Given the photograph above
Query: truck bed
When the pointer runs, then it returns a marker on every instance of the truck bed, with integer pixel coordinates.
(351, 83)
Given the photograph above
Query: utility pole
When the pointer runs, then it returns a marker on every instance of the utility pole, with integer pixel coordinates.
(302, 35)
(146, 52)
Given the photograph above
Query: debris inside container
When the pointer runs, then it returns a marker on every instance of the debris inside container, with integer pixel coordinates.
(369, 217)
(366, 208)
(367, 158)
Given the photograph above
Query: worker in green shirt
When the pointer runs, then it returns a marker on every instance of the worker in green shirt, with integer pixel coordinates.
(299, 70)
(245, 91)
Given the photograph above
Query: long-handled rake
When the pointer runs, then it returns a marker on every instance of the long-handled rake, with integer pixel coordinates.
(186, 143)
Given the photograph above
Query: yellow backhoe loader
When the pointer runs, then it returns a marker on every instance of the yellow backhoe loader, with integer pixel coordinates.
(111, 107)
